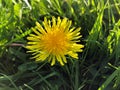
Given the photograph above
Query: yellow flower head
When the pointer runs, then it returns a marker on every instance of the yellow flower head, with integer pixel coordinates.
(54, 41)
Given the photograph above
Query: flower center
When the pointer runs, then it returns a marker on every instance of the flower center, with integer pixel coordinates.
(55, 42)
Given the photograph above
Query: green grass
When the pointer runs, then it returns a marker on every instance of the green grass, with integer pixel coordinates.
(98, 67)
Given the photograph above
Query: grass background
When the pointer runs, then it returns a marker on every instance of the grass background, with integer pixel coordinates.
(98, 67)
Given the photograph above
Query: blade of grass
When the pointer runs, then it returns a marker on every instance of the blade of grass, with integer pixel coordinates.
(109, 79)
(10, 81)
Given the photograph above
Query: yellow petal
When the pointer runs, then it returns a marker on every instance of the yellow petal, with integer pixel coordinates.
(72, 54)
(39, 27)
(42, 56)
(33, 39)
(53, 61)
(46, 25)
(76, 47)
(64, 58)
(32, 42)
(63, 23)
(58, 22)
(53, 21)
(36, 31)
(60, 59)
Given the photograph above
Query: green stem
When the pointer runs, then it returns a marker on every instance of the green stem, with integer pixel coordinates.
(76, 75)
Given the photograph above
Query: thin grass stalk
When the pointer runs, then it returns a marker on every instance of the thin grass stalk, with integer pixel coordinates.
(76, 75)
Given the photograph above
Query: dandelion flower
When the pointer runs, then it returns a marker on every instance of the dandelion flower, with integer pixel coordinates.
(54, 41)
